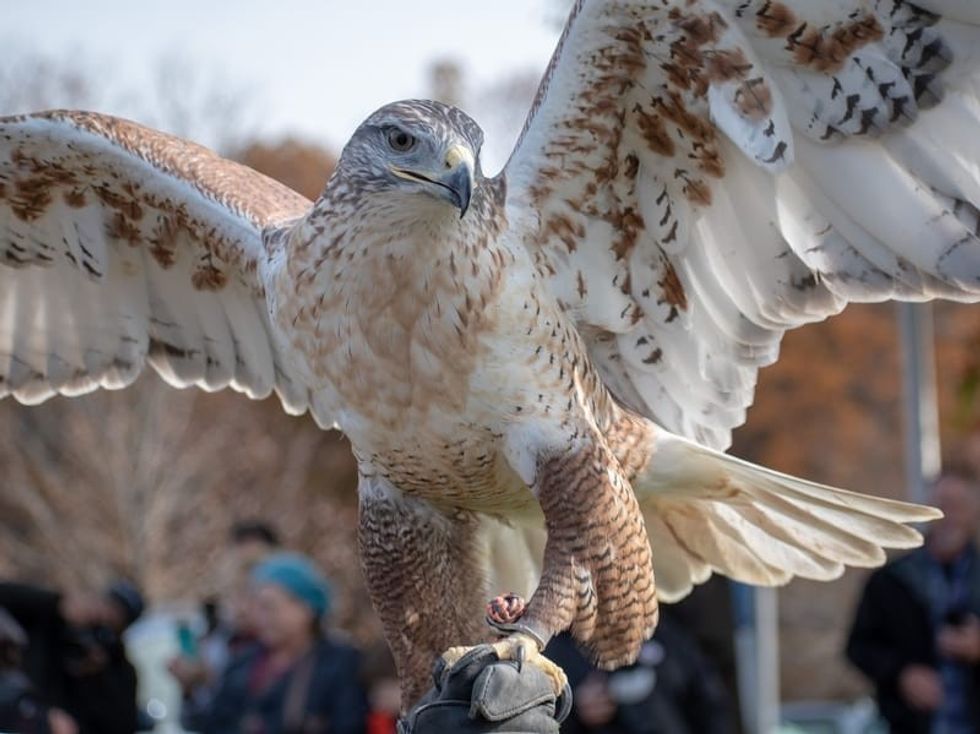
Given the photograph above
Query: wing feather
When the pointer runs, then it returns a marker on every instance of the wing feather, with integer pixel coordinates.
(121, 246)
(700, 177)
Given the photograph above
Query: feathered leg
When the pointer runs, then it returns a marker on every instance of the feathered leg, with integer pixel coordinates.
(598, 572)
(597, 579)
(425, 574)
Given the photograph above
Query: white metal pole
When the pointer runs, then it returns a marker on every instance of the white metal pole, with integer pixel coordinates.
(757, 656)
(922, 448)
(767, 646)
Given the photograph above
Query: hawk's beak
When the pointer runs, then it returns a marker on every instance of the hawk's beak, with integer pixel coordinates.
(454, 182)
(458, 177)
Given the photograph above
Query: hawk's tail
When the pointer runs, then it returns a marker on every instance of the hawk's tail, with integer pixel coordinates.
(709, 512)
(706, 512)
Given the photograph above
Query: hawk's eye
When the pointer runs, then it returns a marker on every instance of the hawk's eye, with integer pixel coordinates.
(399, 140)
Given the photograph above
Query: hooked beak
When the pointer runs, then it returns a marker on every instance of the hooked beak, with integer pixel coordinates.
(458, 177)
(454, 183)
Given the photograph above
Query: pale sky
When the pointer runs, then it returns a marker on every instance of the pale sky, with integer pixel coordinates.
(313, 68)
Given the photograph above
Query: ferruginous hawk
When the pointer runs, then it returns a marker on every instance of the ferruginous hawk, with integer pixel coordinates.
(537, 371)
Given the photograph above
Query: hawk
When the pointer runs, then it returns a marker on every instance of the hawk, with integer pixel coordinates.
(538, 371)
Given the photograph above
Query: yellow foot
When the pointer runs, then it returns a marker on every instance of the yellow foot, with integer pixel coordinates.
(518, 647)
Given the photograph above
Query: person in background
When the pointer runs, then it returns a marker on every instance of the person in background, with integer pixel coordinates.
(379, 678)
(253, 540)
(671, 689)
(294, 679)
(228, 618)
(75, 656)
(916, 633)
(21, 708)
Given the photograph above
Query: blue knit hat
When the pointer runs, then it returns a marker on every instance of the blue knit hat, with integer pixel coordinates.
(298, 576)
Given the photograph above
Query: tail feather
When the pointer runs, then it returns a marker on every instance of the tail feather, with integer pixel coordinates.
(777, 543)
(718, 541)
(887, 532)
(886, 509)
(821, 536)
(708, 510)
(677, 570)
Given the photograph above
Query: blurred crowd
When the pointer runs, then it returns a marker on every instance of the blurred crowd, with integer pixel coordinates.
(266, 661)
(262, 658)
(63, 666)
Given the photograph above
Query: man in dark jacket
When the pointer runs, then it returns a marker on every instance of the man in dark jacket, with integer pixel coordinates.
(916, 634)
(75, 656)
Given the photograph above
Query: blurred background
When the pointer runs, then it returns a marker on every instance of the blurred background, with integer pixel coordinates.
(145, 483)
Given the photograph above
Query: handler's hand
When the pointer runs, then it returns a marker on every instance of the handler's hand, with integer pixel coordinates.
(481, 694)
(921, 687)
(961, 642)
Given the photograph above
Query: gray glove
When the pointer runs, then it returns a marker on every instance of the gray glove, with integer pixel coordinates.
(482, 694)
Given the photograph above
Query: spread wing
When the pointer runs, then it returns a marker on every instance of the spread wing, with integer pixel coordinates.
(697, 177)
(121, 245)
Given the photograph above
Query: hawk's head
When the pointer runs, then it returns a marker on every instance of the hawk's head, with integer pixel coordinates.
(418, 147)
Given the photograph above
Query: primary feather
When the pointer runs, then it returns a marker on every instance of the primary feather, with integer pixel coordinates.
(706, 175)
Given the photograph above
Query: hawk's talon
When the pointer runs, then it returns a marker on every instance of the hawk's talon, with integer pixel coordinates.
(454, 654)
(522, 649)
(504, 613)
(505, 609)
(527, 649)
